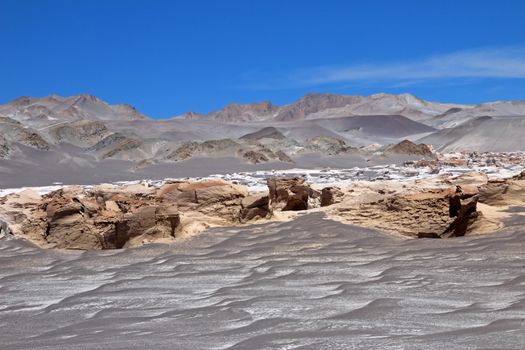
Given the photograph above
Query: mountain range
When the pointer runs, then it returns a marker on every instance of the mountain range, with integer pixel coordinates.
(83, 133)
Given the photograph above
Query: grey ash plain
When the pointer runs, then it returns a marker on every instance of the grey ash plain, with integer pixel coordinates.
(307, 284)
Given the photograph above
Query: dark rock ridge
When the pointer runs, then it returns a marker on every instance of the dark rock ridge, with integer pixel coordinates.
(251, 152)
(328, 145)
(410, 148)
(82, 133)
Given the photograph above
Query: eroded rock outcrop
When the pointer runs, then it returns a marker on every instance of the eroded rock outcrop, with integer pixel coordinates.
(503, 192)
(121, 216)
(218, 200)
(465, 213)
(330, 195)
(77, 219)
(431, 213)
(151, 222)
(108, 217)
(292, 194)
(69, 224)
(255, 207)
(328, 145)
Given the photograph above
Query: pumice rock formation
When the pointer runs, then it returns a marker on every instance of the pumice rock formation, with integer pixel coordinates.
(112, 217)
(255, 206)
(121, 216)
(107, 217)
(292, 194)
(331, 195)
(432, 208)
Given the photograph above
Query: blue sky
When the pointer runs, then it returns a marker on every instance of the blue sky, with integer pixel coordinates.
(169, 57)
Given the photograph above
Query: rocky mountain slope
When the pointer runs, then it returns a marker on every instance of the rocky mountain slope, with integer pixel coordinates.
(315, 106)
(82, 131)
(484, 134)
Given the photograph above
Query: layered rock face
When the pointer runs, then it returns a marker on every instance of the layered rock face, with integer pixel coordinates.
(400, 214)
(217, 200)
(108, 217)
(152, 221)
(292, 194)
(75, 219)
(255, 206)
(112, 217)
(451, 211)
(504, 192)
(13, 132)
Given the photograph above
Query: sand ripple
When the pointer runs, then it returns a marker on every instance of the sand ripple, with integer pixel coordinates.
(310, 283)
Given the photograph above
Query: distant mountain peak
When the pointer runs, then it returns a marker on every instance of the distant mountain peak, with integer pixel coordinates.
(88, 97)
(83, 106)
(22, 101)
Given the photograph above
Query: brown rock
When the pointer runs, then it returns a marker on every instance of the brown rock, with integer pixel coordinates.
(431, 163)
(466, 215)
(454, 206)
(330, 195)
(68, 225)
(76, 219)
(151, 222)
(202, 193)
(255, 207)
(112, 206)
(60, 208)
(255, 201)
(493, 193)
(109, 216)
(291, 194)
(213, 198)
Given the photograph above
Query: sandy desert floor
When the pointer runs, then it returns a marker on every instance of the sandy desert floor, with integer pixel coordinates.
(310, 283)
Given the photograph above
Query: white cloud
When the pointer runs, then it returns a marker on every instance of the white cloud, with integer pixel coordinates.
(481, 63)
